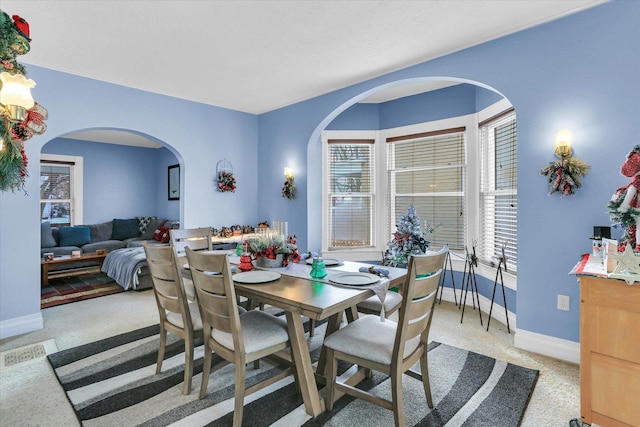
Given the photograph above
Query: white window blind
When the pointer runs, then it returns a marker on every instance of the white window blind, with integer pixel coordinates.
(351, 193)
(499, 189)
(55, 193)
(428, 171)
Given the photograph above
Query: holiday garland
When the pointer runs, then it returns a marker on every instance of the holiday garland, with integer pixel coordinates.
(289, 189)
(565, 174)
(14, 40)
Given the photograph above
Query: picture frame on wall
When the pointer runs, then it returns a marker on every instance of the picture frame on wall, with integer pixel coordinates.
(173, 187)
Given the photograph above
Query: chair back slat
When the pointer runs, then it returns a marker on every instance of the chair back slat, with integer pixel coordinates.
(197, 239)
(216, 294)
(420, 289)
(163, 270)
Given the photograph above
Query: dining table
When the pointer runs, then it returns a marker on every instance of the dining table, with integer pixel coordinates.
(298, 294)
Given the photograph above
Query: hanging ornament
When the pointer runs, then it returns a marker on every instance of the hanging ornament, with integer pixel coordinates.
(226, 179)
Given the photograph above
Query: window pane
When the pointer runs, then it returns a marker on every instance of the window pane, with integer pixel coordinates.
(506, 157)
(429, 152)
(55, 182)
(56, 212)
(350, 222)
(350, 170)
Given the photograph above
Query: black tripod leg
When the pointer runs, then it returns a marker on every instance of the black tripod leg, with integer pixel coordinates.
(504, 299)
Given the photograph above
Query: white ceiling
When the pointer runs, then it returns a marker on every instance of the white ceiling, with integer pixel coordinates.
(257, 56)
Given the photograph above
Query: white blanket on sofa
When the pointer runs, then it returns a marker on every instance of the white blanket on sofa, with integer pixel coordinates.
(123, 266)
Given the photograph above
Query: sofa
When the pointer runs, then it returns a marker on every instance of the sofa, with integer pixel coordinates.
(108, 236)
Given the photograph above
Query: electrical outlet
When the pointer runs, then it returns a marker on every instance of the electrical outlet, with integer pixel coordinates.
(563, 302)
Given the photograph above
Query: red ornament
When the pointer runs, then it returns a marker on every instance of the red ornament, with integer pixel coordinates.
(22, 26)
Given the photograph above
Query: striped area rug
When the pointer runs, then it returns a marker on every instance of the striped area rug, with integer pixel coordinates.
(112, 382)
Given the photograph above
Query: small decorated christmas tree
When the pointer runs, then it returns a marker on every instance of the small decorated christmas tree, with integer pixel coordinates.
(407, 240)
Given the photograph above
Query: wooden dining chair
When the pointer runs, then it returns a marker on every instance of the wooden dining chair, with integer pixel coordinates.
(389, 347)
(392, 300)
(198, 239)
(177, 316)
(237, 338)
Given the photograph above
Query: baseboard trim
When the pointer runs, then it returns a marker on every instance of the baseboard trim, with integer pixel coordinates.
(558, 348)
(546, 345)
(21, 325)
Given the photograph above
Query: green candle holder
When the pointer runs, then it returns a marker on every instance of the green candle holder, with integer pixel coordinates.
(318, 269)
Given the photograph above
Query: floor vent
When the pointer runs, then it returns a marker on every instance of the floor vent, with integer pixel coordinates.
(29, 353)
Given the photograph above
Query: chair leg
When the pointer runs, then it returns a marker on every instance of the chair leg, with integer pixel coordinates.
(396, 396)
(330, 371)
(188, 366)
(424, 369)
(256, 364)
(206, 370)
(238, 406)
(163, 345)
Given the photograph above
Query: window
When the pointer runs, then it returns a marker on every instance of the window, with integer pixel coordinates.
(427, 171)
(498, 192)
(350, 193)
(60, 186)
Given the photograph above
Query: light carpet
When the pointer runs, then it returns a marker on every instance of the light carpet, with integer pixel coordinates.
(112, 382)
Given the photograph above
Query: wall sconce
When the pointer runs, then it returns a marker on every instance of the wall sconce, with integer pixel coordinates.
(15, 96)
(565, 175)
(563, 144)
(289, 188)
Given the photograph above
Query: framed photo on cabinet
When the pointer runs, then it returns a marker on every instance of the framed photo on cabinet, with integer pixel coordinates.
(174, 182)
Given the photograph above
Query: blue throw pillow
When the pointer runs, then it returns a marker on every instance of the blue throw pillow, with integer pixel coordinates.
(74, 236)
(46, 237)
(125, 229)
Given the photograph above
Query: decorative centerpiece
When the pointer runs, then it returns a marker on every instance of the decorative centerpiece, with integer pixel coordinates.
(273, 251)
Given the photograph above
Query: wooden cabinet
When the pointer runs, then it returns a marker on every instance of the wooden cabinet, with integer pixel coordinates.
(609, 352)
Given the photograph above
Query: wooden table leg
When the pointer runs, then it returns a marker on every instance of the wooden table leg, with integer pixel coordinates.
(332, 325)
(44, 267)
(300, 350)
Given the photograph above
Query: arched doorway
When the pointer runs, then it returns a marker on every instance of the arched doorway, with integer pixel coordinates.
(406, 96)
(124, 174)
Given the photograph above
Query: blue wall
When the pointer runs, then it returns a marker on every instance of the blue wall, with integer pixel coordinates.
(579, 72)
(566, 74)
(197, 135)
(120, 181)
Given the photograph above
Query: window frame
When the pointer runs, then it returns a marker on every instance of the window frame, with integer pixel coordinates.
(488, 147)
(371, 252)
(485, 269)
(77, 185)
